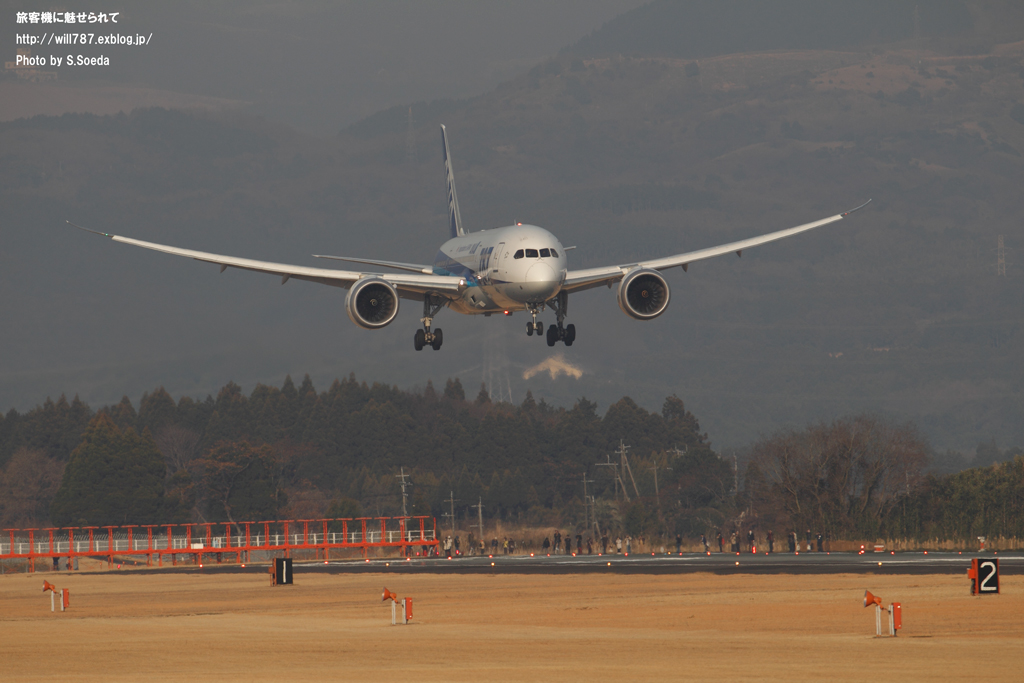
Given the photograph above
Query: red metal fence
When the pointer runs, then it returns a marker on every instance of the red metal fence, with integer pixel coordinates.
(409, 534)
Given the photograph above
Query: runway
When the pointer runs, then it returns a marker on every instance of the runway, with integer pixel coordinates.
(685, 563)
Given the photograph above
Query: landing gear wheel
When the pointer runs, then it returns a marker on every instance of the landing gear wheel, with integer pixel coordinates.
(529, 329)
(552, 335)
(419, 340)
(438, 338)
(539, 327)
(570, 334)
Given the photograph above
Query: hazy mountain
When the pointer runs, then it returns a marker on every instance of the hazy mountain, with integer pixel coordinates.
(898, 310)
(313, 64)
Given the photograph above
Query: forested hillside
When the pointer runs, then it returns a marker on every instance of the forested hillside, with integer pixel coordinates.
(298, 453)
(526, 462)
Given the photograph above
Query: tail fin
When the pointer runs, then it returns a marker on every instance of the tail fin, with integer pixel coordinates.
(454, 218)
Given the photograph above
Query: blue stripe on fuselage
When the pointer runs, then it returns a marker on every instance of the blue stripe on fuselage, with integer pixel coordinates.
(446, 265)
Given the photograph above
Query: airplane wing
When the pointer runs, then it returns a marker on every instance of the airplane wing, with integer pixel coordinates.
(408, 285)
(398, 265)
(578, 280)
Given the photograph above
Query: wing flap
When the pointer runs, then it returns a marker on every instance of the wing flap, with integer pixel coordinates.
(398, 265)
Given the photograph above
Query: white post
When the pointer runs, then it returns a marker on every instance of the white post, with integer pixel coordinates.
(892, 625)
(51, 601)
(393, 616)
(405, 618)
(878, 621)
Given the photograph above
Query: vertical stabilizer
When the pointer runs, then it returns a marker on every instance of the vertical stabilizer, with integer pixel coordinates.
(454, 219)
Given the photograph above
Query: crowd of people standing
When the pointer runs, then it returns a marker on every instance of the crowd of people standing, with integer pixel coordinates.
(577, 544)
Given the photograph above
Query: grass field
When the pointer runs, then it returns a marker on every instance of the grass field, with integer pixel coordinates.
(218, 626)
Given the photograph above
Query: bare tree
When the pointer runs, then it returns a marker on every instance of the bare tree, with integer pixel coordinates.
(178, 445)
(28, 483)
(840, 476)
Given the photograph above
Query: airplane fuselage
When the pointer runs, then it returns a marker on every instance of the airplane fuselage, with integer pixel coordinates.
(507, 269)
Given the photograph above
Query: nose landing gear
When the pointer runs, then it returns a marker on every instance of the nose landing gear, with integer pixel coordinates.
(431, 306)
(534, 327)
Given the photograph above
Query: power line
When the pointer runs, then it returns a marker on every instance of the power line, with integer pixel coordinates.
(1000, 258)
(410, 142)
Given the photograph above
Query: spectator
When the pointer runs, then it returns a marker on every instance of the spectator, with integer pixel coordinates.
(546, 546)
(734, 542)
(679, 544)
(448, 547)
(791, 540)
(808, 540)
(618, 545)
(604, 543)
(590, 546)
(629, 544)
(704, 542)
(579, 544)
(494, 546)
(721, 543)
(750, 540)
(821, 540)
(458, 543)
(771, 541)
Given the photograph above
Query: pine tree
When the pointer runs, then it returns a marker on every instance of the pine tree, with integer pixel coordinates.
(156, 410)
(113, 477)
(453, 390)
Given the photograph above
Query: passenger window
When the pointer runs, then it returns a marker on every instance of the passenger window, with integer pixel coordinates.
(531, 253)
(545, 253)
(554, 253)
(519, 254)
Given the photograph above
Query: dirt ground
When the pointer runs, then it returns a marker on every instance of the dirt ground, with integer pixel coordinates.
(219, 626)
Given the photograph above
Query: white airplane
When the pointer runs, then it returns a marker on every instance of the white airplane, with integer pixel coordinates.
(515, 268)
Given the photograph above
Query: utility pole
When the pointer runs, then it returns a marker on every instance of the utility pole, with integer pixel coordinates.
(655, 469)
(586, 501)
(451, 501)
(615, 476)
(735, 475)
(480, 516)
(626, 468)
(405, 496)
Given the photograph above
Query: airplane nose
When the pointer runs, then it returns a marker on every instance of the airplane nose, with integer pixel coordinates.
(541, 273)
(541, 284)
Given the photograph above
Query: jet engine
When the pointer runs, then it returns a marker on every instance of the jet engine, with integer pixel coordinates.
(372, 303)
(643, 294)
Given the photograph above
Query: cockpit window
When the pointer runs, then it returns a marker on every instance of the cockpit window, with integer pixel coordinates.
(531, 253)
(545, 253)
(554, 253)
(518, 254)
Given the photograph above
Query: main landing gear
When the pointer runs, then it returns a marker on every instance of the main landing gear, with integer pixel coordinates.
(534, 327)
(561, 333)
(431, 306)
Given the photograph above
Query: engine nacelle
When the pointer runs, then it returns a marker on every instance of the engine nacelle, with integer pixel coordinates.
(643, 294)
(372, 303)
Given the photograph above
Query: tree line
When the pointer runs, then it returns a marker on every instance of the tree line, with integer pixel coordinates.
(295, 452)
